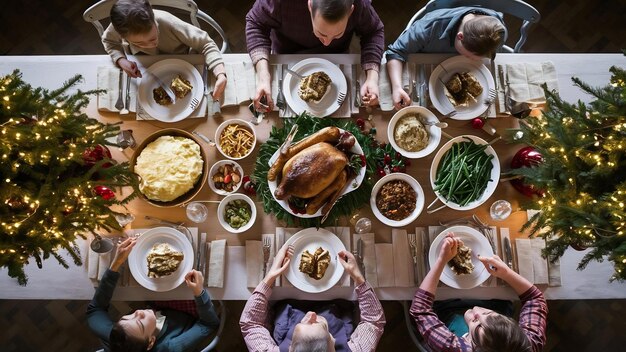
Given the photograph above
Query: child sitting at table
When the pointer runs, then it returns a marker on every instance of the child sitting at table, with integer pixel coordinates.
(473, 32)
(167, 329)
(486, 329)
(158, 32)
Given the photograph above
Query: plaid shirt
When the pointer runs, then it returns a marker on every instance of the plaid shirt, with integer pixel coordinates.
(285, 27)
(255, 327)
(532, 320)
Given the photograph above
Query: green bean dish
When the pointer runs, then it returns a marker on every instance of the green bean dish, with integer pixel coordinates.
(464, 172)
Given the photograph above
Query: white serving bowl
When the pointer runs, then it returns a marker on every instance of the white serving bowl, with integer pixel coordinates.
(215, 169)
(419, 202)
(433, 131)
(221, 209)
(226, 123)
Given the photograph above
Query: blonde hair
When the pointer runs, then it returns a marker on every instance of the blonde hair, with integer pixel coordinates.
(483, 36)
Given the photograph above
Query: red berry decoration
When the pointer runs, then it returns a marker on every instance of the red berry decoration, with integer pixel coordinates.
(363, 160)
(248, 186)
(361, 123)
(381, 172)
(396, 169)
(104, 192)
(387, 159)
(477, 123)
(526, 157)
(94, 154)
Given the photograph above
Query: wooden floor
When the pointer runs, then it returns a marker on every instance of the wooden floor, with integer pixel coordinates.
(56, 27)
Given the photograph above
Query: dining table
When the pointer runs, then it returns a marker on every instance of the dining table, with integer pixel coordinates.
(53, 281)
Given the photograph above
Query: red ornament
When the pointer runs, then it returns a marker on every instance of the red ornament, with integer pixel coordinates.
(477, 123)
(105, 192)
(526, 157)
(94, 154)
(248, 186)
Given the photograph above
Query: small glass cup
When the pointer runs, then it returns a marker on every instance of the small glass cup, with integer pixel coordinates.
(197, 212)
(500, 210)
(363, 225)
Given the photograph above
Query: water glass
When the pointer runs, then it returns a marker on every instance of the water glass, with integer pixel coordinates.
(363, 225)
(500, 210)
(197, 212)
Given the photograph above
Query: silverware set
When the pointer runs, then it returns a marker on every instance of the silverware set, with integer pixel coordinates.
(280, 98)
(357, 87)
(358, 254)
(119, 105)
(414, 252)
(124, 106)
(267, 243)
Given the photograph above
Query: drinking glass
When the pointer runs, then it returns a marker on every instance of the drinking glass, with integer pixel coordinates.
(197, 212)
(363, 225)
(500, 210)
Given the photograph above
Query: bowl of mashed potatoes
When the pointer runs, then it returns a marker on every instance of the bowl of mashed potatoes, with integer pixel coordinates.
(410, 136)
(172, 167)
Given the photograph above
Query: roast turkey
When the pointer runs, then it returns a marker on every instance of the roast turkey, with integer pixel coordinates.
(310, 171)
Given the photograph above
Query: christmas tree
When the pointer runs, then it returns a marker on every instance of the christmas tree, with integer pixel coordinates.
(582, 175)
(57, 174)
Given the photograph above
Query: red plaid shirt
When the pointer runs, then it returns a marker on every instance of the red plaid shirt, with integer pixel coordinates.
(188, 307)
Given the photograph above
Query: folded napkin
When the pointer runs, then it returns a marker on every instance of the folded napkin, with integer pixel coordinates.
(241, 86)
(216, 264)
(402, 259)
(531, 265)
(254, 260)
(525, 80)
(385, 264)
(108, 80)
(554, 269)
(369, 256)
(384, 84)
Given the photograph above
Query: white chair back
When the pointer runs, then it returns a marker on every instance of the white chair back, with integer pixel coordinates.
(520, 9)
(102, 9)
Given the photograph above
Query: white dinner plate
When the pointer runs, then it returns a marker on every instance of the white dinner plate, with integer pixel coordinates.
(479, 245)
(349, 187)
(166, 71)
(444, 71)
(329, 102)
(139, 265)
(492, 184)
(310, 239)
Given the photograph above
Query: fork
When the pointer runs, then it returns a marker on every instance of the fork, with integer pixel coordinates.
(340, 98)
(491, 98)
(194, 103)
(413, 245)
(266, 253)
(449, 114)
(280, 98)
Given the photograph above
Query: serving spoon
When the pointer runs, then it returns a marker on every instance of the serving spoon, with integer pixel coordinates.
(436, 124)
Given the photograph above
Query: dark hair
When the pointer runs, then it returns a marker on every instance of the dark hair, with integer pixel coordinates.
(501, 334)
(331, 10)
(120, 341)
(132, 17)
(483, 36)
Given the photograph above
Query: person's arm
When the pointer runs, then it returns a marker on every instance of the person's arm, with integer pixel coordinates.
(253, 321)
(411, 41)
(371, 31)
(434, 331)
(399, 97)
(112, 42)
(262, 17)
(98, 309)
(534, 313)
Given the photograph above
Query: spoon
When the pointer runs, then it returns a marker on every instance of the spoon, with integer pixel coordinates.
(437, 124)
(119, 105)
(101, 245)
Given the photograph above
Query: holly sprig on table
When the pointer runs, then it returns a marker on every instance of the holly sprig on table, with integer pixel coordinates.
(386, 158)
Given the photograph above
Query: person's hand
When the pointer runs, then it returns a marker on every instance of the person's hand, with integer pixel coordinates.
(349, 263)
(400, 99)
(218, 89)
(369, 93)
(450, 247)
(195, 282)
(122, 252)
(130, 67)
(263, 99)
(495, 266)
(280, 264)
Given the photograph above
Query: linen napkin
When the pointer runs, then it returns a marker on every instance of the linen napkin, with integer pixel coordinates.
(254, 260)
(422, 241)
(369, 257)
(241, 85)
(108, 80)
(385, 264)
(384, 84)
(531, 265)
(216, 264)
(402, 259)
(554, 269)
(92, 264)
(104, 261)
(525, 80)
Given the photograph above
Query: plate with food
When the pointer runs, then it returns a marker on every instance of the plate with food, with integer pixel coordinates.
(315, 265)
(315, 171)
(461, 84)
(411, 135)
(161, 258)
(397, 199)
(464, 172)
(464, 270)
(184, 81)
(319, 91)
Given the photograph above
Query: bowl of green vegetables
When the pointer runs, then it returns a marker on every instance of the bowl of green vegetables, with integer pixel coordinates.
(236, 213)
(464, 173)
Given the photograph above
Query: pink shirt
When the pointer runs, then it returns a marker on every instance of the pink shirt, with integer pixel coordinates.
(256, 329)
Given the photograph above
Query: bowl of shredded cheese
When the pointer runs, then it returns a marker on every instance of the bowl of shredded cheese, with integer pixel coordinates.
(235, 139)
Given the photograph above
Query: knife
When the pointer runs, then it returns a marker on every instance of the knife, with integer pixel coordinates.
(357, 87)
(359, 253)
(508, 254)
(165, 87)
(128, 81)
(422, 86)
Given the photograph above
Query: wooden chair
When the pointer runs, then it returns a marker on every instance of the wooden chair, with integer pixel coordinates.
(528, 14)
(102, 9)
